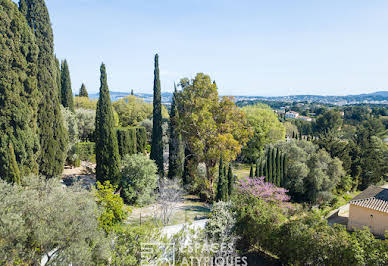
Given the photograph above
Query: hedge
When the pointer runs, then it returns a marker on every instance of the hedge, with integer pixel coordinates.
(141, 136)
(131, 140)
(85, 150)
(126, 138)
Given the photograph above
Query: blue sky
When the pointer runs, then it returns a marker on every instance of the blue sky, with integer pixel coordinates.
(326, 47)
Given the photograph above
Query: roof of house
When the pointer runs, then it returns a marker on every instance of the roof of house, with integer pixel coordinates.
(373, 197)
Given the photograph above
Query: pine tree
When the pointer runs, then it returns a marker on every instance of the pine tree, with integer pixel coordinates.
(53, 135)
(83, 92)
(230, 181)
(176, 151)
(67, 93)
(14, 173)
(251, 171)
(107, 151)
(157, 132)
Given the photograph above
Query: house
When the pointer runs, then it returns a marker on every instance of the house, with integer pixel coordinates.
(292, 115)
(370, 208)
(305, 118)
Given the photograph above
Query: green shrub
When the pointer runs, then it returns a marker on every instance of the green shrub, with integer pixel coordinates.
(85, 150)
(139, 179)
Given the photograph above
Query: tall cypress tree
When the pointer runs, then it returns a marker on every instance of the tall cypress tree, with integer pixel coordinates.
(157, 132)
(107, 150)
(220, 196)
(230, 181)
(19, 95)
(67, 93)
(257, 168)
(278, 167)
(58, 78)
(285, 177)
(261, 173)
(132, 92)
(53, 135)
(83, 92)
(176, 151)
(274, 174)
(251, 171)
(269, 165)
(281, 169)
(14, 173)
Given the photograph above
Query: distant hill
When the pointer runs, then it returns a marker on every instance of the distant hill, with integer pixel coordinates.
(379, 97)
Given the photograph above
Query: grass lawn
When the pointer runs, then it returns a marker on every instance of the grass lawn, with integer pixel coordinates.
(241, 170)
(189, 210)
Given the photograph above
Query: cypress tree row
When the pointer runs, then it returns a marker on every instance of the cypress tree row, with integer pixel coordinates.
(83, 92)
(261, 172)
(157, 132)
(107, 151)
(230, 181)
(285, 161)
(53, 136)
(257, 168)
(278, 167)
(176, 152)
(19, 95)
(67, 93)
(281, 170)
(251, 171)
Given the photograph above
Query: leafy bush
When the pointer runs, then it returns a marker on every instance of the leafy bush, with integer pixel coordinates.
(85, 103)
(44, 219)
(86, 124)
(71, 124)
(139, 179)
(112, 205)
(85, 150)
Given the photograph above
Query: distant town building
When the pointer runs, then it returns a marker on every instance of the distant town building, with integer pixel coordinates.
(370, 208)
(292, 115)
(305, 118)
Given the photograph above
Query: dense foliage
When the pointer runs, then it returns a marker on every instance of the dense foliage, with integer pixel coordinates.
(66, 91)
(19, 94)
(209, 125)
(266, 129)
(139, 179)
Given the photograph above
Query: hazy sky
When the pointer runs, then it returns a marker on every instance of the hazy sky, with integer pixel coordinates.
(329, 47)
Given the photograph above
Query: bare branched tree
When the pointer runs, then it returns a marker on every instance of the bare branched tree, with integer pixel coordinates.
(170, 196)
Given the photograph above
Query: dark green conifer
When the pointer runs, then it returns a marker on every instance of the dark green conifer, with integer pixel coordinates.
(278, 167)
(251, 171)
(221, 184)
(176, 151)
(281, 170)
(269, 165)
(107, 151)
(285, 161)
(131, 92)
(83, 92)
(67, 93)
(230, 181)
(19, 95)
(261, 173)
(58, 78)
(157, 132)
(53, 135)
(257, 168)
(14, 173)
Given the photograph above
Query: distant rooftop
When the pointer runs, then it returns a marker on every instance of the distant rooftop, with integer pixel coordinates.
(373, 197)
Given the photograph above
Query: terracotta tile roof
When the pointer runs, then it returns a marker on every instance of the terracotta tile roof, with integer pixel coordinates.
(375, 198)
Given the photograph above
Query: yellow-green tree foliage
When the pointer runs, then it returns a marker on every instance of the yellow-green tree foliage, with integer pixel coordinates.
(210, 125)
(266, 129)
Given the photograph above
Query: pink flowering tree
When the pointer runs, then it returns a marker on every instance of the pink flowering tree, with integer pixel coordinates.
(258, 188)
